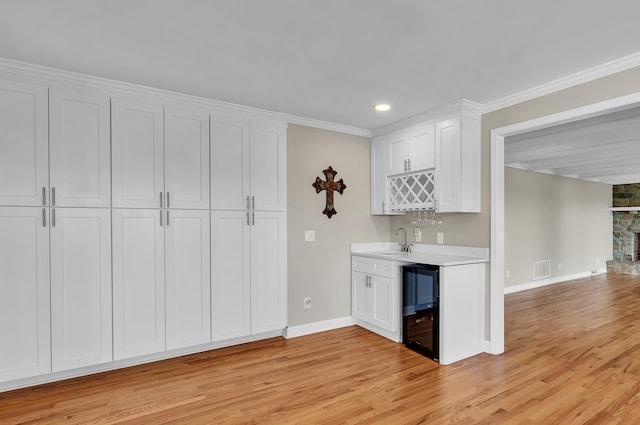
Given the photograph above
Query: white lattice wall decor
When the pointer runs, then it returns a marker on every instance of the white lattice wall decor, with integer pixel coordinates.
(413, 191)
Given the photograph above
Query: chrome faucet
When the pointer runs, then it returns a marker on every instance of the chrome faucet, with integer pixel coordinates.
(404, 247)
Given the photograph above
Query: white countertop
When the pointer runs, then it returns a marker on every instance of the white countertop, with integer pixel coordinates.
(437, 255)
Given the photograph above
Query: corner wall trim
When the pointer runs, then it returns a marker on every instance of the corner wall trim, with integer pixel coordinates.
(551, 281)
(315, 327)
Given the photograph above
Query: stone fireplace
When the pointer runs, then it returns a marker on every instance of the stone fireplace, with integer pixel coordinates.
(626, 230)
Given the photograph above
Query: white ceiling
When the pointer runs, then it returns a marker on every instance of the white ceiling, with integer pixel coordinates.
(604, 149)
(329, 60)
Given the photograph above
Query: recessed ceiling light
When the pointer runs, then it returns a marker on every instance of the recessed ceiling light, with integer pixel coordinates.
(382, 107)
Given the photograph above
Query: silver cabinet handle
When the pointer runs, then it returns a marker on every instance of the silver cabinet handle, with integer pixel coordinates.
(253, 218)
(405, 165)
(167, 205)
(248, 203)
(44, 196)
(53, 217)
(53, 196)
(44, 218)
(161, 204)
(384, 207)
(167, 211)
(248, 217)
(253, 202)
(409, 164)
(160, 218)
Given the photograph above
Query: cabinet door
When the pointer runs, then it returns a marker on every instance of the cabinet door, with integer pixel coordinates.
(138, 283)
(188, 287)
(186, 171)
(80, 149)
(24, 152)
(230, 274)
(381, 303)
(80, 287)
(268, 271)
(137, 154)
(268, 165)
(448, 170)
(229, 162)
(397, 152)
(24, 293)
(422, 149)
(359, 292)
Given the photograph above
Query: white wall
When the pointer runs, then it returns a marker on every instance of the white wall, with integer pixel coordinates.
(555, 218)
(322, 269)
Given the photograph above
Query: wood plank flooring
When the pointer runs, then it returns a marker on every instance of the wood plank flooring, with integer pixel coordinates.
(573, 357)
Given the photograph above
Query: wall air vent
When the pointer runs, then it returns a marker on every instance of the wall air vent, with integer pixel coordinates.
(541, 269)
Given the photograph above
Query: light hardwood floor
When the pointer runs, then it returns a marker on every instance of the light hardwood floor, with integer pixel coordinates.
(573, 357)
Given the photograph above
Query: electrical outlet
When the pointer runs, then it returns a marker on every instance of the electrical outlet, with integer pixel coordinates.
(418, 234)
(309, 235)
(507, 274)
(440, 237)
(307, 303)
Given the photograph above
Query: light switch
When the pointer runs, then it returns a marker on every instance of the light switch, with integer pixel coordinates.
(309, 235)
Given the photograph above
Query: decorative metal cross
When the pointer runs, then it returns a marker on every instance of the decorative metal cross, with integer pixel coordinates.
(330, 186)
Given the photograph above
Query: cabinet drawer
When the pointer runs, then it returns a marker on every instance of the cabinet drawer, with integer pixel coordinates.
(372, 266)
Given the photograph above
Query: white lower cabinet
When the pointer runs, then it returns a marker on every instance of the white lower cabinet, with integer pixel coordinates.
(149, 314)
(24, 293)
(80, 287)
(375, 293)
(248, 282)
(138, 283)
(188, 287)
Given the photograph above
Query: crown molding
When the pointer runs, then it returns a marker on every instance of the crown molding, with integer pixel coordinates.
(58, 76)
(585, 76)
(463, 106)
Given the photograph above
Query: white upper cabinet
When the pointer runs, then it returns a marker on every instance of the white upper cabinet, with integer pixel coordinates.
(457, 180)
(24, 293)
(24, 174)
(187, 265)
(186, 150)
(248, 163)
(138, 283)
(137, 146)
(422, 149)
(230, 173)
(397, 152)
(410, 149)
(80, 287)
(268, 165)
(79, 149)
(435, 162)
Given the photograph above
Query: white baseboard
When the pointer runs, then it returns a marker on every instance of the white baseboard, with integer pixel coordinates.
(315, 327)
(550, 281)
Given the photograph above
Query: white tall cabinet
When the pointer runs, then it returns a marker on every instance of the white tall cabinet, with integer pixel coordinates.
(133, 227)
(248, 226)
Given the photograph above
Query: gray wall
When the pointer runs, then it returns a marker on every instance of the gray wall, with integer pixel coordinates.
(554, 218)
(322, 269)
